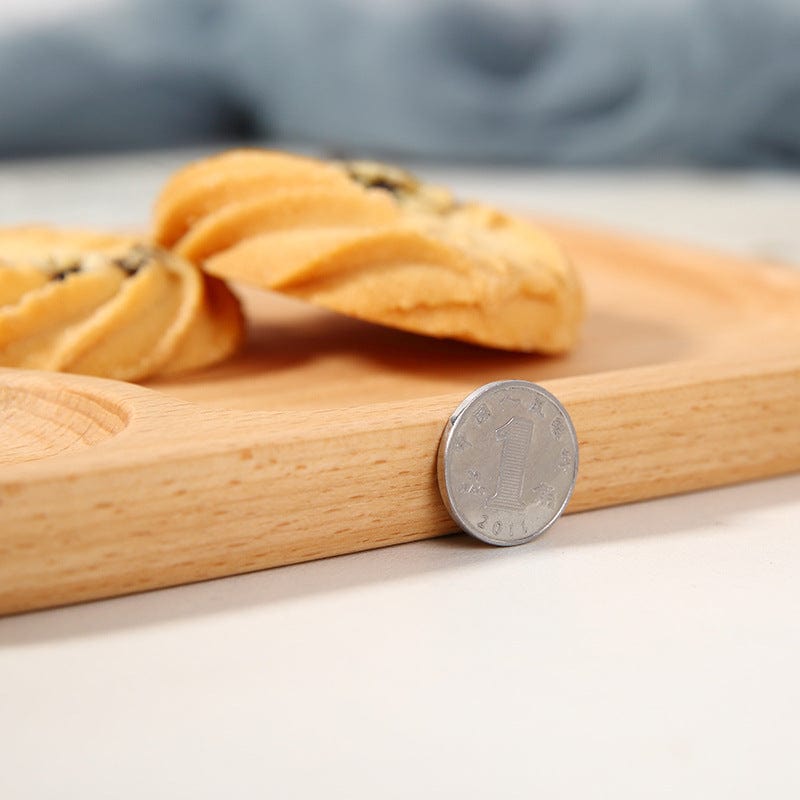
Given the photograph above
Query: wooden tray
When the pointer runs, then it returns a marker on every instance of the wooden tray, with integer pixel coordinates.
(321, 438)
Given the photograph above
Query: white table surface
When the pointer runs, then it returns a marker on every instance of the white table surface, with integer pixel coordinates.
(645, 651)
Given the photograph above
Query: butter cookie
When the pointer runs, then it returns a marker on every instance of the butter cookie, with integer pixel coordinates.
(373, 242)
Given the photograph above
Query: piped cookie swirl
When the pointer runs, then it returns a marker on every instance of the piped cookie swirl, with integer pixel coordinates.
(108, 305)
(373, 242)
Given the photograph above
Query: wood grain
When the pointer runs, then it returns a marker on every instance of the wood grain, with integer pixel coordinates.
(321, 439)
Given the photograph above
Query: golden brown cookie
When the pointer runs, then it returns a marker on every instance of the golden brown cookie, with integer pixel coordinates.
(109, 305)
(373, 242)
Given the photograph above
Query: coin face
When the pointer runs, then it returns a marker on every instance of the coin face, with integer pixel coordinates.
(508, 461)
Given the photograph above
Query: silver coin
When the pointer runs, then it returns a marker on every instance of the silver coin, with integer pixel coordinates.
(508, 461)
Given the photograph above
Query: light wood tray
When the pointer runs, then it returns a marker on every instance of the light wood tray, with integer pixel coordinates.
(321, 437)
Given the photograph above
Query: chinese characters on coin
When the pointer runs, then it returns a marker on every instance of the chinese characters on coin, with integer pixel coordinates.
(508, 461)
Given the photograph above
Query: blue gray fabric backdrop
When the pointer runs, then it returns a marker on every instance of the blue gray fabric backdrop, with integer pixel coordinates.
(559, 82)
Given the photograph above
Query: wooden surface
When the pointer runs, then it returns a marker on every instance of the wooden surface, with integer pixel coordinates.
(321, 438)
